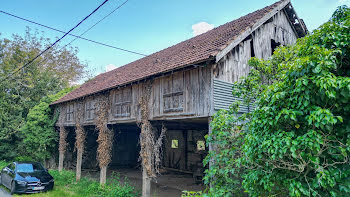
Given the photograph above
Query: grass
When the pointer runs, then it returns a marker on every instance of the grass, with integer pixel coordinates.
(65, 185)
(3, 164)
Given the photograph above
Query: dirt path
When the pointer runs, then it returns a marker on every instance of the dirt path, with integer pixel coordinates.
(167, 185)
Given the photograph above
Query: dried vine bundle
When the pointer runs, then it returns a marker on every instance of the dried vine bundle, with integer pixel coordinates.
(150, 146)
(105, 136)
(62, 141)
(63, 133)
(80, 139)
(79, 129)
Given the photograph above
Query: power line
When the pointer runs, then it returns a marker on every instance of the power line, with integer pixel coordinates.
(32, 60)
(76, 36)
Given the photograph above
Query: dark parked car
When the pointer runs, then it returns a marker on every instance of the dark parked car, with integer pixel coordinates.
(26, 177)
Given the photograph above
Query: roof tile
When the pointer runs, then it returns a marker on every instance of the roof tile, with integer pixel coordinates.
(196, 49)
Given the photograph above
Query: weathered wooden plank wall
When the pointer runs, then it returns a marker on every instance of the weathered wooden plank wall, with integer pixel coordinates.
(187, 93)
(235, 64)
(181, 94)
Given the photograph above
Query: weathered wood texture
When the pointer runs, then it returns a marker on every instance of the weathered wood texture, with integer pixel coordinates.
(181, 94)
(259, 44)
(186, 156)
(188, 93)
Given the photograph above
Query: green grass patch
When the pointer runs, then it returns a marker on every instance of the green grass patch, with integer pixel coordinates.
(65, 185)
(3, 164)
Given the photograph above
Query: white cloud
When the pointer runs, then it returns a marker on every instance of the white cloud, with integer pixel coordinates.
(110, 67)
(344, 2)
(201, 27)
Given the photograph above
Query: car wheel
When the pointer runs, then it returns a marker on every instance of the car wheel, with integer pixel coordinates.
(13, 187)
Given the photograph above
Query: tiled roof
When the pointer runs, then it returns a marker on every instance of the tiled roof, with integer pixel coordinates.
(194, 50)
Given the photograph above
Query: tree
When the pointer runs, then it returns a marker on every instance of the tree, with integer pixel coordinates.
(297, 140)
(38, 135)
(21, 92)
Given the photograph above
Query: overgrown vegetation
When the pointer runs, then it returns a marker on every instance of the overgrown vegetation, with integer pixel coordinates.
(105, 136)
(3, 164)
(297, 140)
(25, 95)
(38, 136)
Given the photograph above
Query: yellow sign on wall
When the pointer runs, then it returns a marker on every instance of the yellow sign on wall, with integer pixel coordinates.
(174, 144)
(200, 145)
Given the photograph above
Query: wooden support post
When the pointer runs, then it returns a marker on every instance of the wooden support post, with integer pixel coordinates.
(103, 175)
(60, 161)
(79, 145)
(79, 161)
(146, 183)
(62, 147)
(211, 148)
(210, 145)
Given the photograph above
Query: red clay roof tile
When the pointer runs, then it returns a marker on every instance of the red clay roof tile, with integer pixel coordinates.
(196, 49)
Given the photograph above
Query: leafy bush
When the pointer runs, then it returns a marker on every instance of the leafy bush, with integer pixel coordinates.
(25, 89)
(297, 140)
(3, 164)
(39, 138)
(191, 194)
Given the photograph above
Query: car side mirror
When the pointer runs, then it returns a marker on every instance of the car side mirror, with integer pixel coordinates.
(6, 169)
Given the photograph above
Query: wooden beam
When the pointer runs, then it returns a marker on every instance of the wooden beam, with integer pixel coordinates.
(62, 147)
(79, 162)
(103, 175)
(249, 31)
(146, 183)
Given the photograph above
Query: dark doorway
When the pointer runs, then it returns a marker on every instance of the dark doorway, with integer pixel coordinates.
(126, 147)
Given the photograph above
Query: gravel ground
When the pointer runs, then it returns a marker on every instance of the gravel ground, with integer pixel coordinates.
(4, 193)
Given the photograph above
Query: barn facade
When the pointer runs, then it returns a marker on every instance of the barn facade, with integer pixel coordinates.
(185, 83)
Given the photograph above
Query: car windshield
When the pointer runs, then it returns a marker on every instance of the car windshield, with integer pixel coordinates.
(29, 167)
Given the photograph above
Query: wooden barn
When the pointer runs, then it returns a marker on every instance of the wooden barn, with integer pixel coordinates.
(182, 86)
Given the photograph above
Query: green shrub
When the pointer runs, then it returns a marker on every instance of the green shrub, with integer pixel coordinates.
(3, 164)
(297, 140)
(191, 194)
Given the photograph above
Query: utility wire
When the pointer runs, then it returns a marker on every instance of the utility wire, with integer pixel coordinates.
(76, 36)
(32, 60)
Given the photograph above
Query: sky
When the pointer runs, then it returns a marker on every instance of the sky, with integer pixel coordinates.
(144, 26)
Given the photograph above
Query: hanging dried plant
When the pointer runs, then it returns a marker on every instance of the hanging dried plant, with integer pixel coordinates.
(79, 129)
(63, 133)
(79, 138)
(105, 136)
(62, 142)
(150, 153)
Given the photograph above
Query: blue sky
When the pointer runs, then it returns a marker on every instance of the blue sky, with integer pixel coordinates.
(140, 25)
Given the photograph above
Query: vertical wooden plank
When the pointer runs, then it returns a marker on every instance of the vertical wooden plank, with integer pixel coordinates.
(195, 90)
(156, 96)
(146, 183)
(206, 88)
(201, 91)
(161, 100)
(79, 162)
(187, 92)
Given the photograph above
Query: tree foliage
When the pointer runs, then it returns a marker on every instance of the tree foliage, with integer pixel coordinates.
(38, 135)
(297, 140)
(50, 73)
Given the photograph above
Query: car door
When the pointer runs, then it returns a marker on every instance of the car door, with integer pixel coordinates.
(7, 173)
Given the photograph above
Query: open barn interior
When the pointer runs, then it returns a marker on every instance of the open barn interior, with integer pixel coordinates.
(183, 151)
